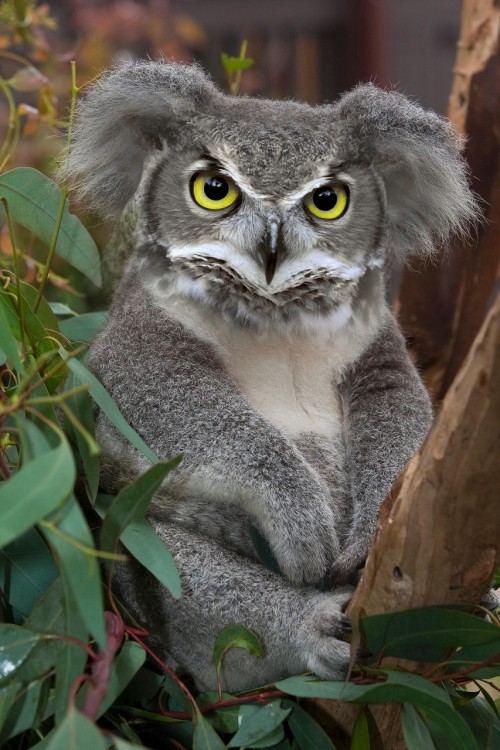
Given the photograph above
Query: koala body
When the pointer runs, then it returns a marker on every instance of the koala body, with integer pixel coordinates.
(250, 332)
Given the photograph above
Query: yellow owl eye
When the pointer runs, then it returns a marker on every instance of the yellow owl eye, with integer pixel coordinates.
(214, 191)
(328, 201)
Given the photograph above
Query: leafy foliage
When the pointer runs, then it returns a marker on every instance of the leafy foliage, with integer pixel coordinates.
(73, 672)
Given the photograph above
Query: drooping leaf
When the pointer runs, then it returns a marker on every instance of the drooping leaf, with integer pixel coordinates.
(482, 718)
(235, 636)
(257, 724)
(108, 406)
(83, 327)
(415, 730)
(28, 79)
(34, 203)
(204, 735)
(145, 545)
(9, 342)
(306, 731)
(425, 634)
(448, 729)
(76, 732)
(26, 570)
(124, 745)
(360, 739)
(81, 406)
(73, 544)
(7, 694)
(16, 644)
(40, 487)
(132, 503)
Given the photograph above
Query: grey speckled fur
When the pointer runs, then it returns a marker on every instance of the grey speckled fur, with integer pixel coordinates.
(293, 401)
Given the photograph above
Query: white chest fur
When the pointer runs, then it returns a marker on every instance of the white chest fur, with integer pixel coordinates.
(290, 377)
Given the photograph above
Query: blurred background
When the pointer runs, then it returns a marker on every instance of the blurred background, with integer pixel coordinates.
(311, 50)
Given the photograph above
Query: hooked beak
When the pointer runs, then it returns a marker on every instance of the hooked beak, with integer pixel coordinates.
(270, 249)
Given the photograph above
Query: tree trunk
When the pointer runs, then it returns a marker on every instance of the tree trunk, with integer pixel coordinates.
(439, 531)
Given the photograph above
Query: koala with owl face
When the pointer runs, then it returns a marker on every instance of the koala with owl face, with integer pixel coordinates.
(250, 332)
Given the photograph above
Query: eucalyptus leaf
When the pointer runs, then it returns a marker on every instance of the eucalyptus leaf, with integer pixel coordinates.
(34, 201)
(83, 327)
(40, 487)
(257, 722)
(141, 540)
(307, 733)
(132, 503)
(398, 687)
(415, 730)
(223, 719)
(448, 729)
(81, 406)
(125, 745)
(16, 644)
(482, 718)
(204, 735)
(235, 636)
(27, 710)
(9, 341)
(73, 545)
(360, 739)
(76, 732)
(26, 570)
(234, 64)
(425, 634)
(108, 406)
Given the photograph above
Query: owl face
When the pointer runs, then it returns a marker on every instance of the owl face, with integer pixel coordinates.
(261, 231)
(267, 211)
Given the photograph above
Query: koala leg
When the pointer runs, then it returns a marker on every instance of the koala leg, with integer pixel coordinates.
(298, 626)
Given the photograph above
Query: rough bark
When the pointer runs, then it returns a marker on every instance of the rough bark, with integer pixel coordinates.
(439, 531)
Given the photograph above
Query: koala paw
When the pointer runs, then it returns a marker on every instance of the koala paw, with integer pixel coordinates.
(305, 557)
(326, 655)
(348, 566)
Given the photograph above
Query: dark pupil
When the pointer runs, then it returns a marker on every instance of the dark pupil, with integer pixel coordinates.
(215, 188)
(325, 198)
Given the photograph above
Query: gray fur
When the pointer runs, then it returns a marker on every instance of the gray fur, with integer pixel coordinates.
(293, 400)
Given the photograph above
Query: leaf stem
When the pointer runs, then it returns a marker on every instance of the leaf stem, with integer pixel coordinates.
(235, 83)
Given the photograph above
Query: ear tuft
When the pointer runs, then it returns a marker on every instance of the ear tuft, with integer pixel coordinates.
(418, 155)
(123, 117)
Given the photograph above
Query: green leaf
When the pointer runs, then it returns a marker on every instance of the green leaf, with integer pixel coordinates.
(415, 731)
(204, 735)
(35, 491)
(398, 687)
(76, 732)
(8, 339)
(83, 327)
(16, 644)
(425, 634)
(482, 718)
(28, 709)
(108, 406)
(235, 636)
(143, 543)
(7, 694)
(81, 406)
(34, 203)
(257, 722)
(132, 503)
(234, 64)
(73, 544)
(125, 666)
(124, 745)
(57, 612)
(360, 739)
(307, 733)
(26, 570)
(448, 729)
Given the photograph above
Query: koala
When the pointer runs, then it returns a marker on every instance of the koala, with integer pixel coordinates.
(250, 332)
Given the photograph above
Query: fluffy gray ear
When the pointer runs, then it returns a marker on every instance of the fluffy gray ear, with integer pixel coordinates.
(121, 119)
(417, 154)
